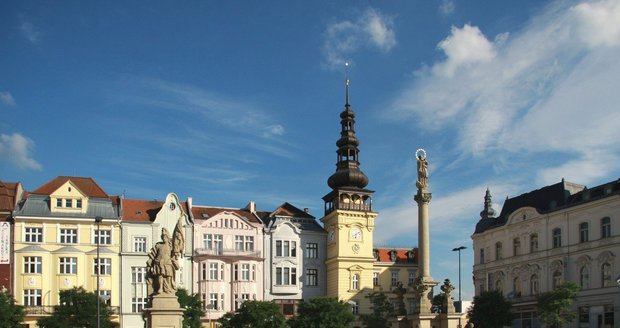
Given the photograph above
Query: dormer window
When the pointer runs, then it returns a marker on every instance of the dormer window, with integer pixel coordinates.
(393, 255)
(375, 253)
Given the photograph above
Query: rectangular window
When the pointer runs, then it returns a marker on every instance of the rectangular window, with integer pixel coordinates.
(533, 243)
(203, 271)
(239, 243)
(68, 265)
(286, 248)
(105, 237)
(278, 276)
(411, 278)
(58, 202)
(207, 240)
(557, 238)
(213, 270)
(104, 268)
(482, 256)
(516, 246)
(394, 280)
(32, 297)
(213, 301)
(312, 277)
(68, 236)
(69, 203)
(138, 275)
(139, 244)
(605, 227)
(583, 232)
(218, 243)
(78, 203)
(106, 296)
(312, 250)
(498, 251)
(278, 248)
(293, 249)
(249, 243)
(286, 278)
(375, 278)
(245, 272)
(33, 235)
(138, 304)
(32, 264)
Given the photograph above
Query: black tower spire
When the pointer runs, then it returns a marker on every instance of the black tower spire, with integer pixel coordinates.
(348, 182)
(488, 211)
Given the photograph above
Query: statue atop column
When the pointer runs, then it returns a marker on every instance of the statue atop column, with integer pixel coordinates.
(447, 289)
(422, 182)
(163, 261)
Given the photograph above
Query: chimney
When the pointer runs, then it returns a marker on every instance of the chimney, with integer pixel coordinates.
(251, 207)
(307, 210)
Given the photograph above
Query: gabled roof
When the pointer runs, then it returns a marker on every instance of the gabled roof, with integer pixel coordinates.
(287, 209)
(87, 185)
(8, 196)
(206, 212)
(140, 210)
(402, 255)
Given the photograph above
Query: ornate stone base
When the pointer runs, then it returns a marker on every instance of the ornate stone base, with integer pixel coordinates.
(422, 321)
(164, 312)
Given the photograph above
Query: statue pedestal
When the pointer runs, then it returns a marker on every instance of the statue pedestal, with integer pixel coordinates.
(164, 312)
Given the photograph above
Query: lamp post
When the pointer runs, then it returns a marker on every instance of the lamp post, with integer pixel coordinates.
(98, 220)
(459, 249)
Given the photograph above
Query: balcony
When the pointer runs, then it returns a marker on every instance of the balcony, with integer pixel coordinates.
(224, 253)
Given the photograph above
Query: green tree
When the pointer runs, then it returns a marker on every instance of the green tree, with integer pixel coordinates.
(11, 313)
(325, 312)
(437, 303)
(382, 311)
(490, 310)
(78, 308)
(193, 308)
(255, 314)
(554, 307)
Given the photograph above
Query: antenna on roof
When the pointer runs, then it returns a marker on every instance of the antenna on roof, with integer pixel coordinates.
(346, 76)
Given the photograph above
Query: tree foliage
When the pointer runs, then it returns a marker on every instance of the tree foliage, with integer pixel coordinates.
(382, 311)
(255, 314)
(490, 310)
(193, 308)
(78, 308)
(554, 307)
(11, 313)
(438, 303)
(325, 312)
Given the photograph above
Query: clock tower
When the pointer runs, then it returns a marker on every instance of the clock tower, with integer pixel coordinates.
(349, 221)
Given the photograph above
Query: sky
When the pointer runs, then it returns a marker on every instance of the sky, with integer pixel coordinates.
(235, 101)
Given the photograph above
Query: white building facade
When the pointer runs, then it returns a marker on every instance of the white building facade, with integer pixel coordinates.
(295, 248)
(562, 232)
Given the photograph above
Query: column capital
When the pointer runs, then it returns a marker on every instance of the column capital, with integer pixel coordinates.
(422, 197)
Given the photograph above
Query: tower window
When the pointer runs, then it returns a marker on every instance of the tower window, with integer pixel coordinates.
(355, 282)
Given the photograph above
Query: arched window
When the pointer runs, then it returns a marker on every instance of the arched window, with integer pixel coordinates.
(498, 285)
(355, 282)
(605, 227)
(534, 288)
(584, 277)
(498, 250)
(557, 278)
(533, 242)
(583, 232)
(606, 275)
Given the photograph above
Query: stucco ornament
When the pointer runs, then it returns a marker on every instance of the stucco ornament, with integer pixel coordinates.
(163, 260)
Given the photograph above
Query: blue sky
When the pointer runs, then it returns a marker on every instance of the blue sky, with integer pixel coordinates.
(232, 101)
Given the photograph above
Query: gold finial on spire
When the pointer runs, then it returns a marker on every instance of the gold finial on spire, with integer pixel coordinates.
(346, 73)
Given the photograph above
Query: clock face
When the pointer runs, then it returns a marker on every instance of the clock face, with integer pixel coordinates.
(356, 234)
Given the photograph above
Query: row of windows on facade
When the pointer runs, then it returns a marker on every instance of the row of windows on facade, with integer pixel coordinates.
(67, 265)
(557, 279)
(33, 297)
(68, 203)
(556, 237)
(67, 236)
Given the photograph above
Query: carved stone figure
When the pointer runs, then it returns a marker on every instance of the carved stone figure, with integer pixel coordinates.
(163, 260)
(422, 182)
(400, 296)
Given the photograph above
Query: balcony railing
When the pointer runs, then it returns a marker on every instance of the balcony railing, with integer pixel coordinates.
(226, 252)
(48, 310)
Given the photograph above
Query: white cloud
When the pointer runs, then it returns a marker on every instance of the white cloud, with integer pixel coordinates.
(464, 46)
(17, 149)
(371, 29)
(447, 7)
(6, 98)
(274, 130)
(550, 87)
(29, 31)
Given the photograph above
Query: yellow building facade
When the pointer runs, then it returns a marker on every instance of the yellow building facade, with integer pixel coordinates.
(59, 245)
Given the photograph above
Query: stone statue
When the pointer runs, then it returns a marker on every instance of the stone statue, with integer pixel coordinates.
(422, 182)
(163, 260)
(447, 288)
(400, 295)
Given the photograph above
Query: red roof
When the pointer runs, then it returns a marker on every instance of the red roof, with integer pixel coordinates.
(86, 185)
(143, 210)
(8, 195)
(198, 211)
(401, 254)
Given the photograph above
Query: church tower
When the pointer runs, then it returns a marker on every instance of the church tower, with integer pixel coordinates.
(349, 221)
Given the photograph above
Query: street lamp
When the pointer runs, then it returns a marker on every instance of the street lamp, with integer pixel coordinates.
(459, 249)
(98, 220)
